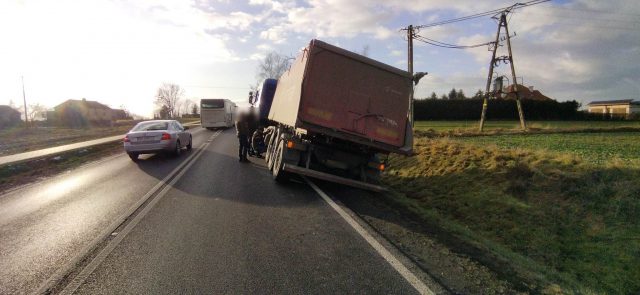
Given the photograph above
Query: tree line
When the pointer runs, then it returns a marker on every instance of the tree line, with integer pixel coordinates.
(456, 94)
(501, 109)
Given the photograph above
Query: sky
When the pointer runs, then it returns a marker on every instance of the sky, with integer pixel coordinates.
(119, 52)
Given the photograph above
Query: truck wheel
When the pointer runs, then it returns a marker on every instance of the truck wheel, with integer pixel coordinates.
(271, 148)
(279, 174)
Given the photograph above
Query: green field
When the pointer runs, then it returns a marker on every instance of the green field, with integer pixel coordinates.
(560, 208)
(620, 148)
(508, 125)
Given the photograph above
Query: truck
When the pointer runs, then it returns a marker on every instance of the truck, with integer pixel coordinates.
(337, 115)
(264, 98)
(217, 113)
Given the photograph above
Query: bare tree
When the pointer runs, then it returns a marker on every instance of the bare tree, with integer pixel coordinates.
(194, 109)
(186, 106)
(126, 111)
(273, 66)
(37, 111)
(168, 99)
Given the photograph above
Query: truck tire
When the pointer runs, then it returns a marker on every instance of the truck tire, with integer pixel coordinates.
(271, 148)
(278, 173)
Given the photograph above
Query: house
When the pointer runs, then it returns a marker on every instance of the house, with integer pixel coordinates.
(120, 114)
(9, 116)
(77, 113)
(622, 108)
(525, 93)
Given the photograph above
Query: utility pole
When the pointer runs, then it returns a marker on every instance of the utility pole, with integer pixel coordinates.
(24, 100)
(410, 69)
(523, 125)
(485, 101)
(494, 62)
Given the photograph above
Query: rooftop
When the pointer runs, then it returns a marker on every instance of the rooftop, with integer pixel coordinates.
(87, 103)
(613, 102)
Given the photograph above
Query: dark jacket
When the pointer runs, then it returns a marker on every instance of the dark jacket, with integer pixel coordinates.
(242, 126)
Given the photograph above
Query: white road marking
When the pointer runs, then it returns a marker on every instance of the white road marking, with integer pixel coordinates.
(392, 260)
(80, 278)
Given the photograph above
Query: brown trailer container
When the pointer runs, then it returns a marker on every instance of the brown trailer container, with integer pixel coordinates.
(337, 115)
(338, 93)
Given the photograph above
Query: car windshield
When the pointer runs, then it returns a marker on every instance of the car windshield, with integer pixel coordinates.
(212, 103)
(149, 126)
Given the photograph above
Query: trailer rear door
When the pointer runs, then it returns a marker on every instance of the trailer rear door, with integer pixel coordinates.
(355, 95)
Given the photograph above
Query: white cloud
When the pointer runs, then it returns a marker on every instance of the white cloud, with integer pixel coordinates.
(70, 49)
(331, 18)
(276, 34)
(581, 49)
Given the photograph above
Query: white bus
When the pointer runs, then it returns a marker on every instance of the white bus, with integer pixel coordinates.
(217, 113)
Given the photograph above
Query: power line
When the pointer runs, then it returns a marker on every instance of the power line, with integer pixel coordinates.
(218, 87)
(493, 12)
(483, 14)
(447, 45)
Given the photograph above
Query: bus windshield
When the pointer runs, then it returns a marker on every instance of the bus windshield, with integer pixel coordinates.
(212, 103)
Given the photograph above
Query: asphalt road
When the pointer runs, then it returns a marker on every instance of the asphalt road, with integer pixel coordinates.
(223, 227)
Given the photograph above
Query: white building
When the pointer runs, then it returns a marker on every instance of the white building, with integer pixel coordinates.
(614, 108)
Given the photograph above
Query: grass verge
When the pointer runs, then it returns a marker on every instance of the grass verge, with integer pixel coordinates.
(15, 175)
(560, 224)
(21, 140)
(597, 148)
(505, 125)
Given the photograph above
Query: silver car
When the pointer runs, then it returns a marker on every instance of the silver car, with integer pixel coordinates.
(157, 136)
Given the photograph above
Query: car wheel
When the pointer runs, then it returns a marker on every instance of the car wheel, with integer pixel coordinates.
(190, 145)
(133, 156)
(177, 151)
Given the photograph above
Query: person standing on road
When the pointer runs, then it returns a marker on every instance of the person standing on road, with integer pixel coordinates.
(242, 131)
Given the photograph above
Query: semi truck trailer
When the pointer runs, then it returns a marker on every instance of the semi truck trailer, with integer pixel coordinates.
(337, 115)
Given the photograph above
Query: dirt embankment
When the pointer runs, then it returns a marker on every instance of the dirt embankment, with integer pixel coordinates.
(546, 223)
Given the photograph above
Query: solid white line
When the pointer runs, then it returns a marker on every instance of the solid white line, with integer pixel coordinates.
(54, 279)
(392, 260)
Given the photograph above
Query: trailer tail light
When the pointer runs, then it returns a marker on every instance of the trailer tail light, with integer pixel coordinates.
(290, 144)
(126, 138)
(165, 136)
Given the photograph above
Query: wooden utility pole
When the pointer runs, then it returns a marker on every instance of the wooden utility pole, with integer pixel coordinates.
(494, 62)
(410, 68)
(523, 125)
(24, 100)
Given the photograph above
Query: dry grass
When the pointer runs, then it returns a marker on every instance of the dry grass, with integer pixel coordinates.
(562, 223)
(15, 175)
(18, 140)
